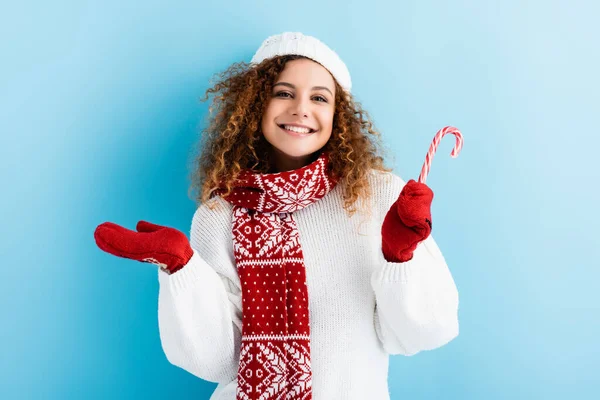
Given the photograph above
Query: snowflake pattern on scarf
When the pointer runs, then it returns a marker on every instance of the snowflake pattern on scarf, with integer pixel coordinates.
(275, 351)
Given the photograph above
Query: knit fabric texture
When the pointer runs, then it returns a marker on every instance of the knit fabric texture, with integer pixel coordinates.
(275, 351)
(362, 308)
(307, 46)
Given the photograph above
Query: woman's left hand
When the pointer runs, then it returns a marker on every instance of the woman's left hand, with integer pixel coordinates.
(407, 223)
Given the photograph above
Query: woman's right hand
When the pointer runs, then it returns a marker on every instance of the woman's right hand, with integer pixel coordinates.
(166, 247)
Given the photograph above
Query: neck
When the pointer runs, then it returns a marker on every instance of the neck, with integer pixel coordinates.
(281, 162)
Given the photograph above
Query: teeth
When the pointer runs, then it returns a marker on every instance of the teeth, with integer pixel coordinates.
(296, 129)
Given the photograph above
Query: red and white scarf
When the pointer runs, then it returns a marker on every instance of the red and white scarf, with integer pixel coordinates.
(275, 351)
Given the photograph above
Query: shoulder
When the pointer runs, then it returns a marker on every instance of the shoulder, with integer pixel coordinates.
(385, 184)
(214, 211)
(385, 189)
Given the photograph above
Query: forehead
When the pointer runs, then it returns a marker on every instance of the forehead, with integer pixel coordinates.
(308, 72)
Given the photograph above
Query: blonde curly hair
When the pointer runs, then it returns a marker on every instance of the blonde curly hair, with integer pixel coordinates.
(233, 141)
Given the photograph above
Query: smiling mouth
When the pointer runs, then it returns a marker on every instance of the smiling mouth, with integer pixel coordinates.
(311, 131)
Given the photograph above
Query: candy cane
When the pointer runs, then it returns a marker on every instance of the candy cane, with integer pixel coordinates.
(436, 141)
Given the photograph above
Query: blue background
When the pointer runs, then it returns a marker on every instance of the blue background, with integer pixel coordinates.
(100, 111)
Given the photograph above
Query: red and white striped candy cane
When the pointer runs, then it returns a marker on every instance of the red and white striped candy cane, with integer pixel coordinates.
(436, 141)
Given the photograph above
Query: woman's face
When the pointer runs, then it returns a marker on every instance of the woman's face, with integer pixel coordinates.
(299, 115)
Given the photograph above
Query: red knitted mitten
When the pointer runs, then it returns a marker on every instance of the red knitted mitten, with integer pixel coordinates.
(166, 247)
(407, 223)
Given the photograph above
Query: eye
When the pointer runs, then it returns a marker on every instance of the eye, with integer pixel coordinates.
(321, 99)
(278, 94)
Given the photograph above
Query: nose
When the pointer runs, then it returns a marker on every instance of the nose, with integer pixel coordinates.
(300, 107)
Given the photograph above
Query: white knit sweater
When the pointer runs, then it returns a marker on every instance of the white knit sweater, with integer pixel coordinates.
(361, 307)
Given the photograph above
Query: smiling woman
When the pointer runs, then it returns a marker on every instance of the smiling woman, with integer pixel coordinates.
(292, 90)
(304, 111)
(278, 293)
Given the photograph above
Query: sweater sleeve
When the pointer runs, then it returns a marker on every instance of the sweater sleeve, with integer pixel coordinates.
(416, 301)
(199, 306)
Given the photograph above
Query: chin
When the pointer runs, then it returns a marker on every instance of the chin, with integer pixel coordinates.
(295, 153)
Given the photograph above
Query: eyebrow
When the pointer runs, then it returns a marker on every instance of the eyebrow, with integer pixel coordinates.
(294, 87)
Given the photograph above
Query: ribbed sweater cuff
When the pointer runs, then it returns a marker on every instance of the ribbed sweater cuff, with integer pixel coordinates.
(193, 272)
(391, 272)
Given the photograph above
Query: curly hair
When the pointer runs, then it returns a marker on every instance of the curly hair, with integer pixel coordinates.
(233, 140)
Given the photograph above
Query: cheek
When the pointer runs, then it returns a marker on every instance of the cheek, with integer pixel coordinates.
(266, 119)
(270, 114)
(327, 119)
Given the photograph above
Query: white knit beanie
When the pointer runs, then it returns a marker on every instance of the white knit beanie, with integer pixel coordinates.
(299, 44)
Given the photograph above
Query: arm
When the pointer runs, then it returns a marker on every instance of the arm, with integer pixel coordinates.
(199, 307)
(417, 302)
(416, 298)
